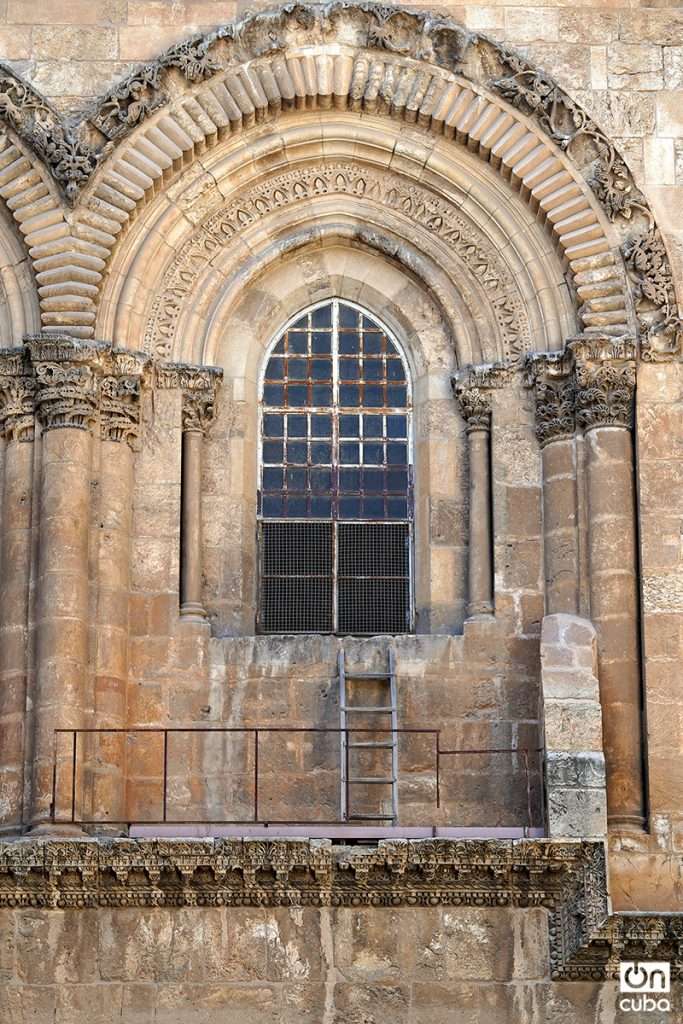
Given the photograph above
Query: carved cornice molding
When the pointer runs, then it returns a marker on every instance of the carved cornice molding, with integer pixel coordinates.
(568, 878)
(605, 381)
(472, 388)
(551, 375)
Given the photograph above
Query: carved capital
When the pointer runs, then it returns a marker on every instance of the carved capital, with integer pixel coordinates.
(198, 410)
(472, 389)
(552, 377)
(199, 385)
(17, 396)
(66, 380)
(605, 381)
(120, 391)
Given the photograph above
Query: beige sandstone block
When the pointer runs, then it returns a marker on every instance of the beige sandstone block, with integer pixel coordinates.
(575, 725)
(670, 114)
(15, 43)
(157, 12)
(66, 12)
(598, 67)
(664, 28)
(67, 43)
(659, 161)
(588, 26)
(146, 42)
(533, 24)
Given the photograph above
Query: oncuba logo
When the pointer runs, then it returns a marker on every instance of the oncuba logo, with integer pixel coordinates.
(643, 986)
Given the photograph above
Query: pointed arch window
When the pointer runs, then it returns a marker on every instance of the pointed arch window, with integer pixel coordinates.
(335, 502)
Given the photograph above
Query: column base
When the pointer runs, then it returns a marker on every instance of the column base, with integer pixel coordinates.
(626, 823)
(193, 612)
(54, 830)
(480, 611)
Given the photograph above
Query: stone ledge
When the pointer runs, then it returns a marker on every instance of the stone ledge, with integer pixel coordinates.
(566, 877)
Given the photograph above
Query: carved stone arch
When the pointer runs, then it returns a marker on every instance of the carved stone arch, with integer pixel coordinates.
(496, 276)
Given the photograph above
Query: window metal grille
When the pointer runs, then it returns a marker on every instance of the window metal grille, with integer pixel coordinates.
(335, 452)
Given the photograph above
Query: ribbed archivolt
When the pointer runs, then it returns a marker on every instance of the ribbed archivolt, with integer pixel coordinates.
(69, 265)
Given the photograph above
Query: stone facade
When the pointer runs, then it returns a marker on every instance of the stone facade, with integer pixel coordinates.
(500, 187)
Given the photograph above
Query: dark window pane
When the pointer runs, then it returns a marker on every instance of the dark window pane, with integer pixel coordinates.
(275, 369)
(321, 426)
(373, 454)
(321, 452)
(272, 479)
(322, 317)
(349, 508)
(373, 369)
(372, 426)
(397, 508)
(373, 508)
(280, 347)
(321, 507)
(349, 343)
(321, 480)
(273, 425)
(296, 506)
(273, 451)
(321, 369)
(322, 395)
(397, 454)
(297, 369)
(297, 342)
(297, 394)
(349, 480)
(348, 317)
(297, 426)
(301, 324)
(296, 479)
(396, 395)
(321, 343)
(395, 370)
(349, 426)
(296, 452)
(397, 426)
(349, 369)
(373, 480)
(372, 344)
(349, 395)
(397, 480)
(274, 394)
(349, 454)
(373, 395)
(272, 505)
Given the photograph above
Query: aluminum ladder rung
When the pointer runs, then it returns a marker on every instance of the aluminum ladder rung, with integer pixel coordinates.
(346, 744)
(376, 709)
(372, 745)
(370, 780)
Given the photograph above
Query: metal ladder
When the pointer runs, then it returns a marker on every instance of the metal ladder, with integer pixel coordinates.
(349, 743)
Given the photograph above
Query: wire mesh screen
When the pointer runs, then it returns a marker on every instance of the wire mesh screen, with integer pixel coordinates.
(373, 578)
(297, 571)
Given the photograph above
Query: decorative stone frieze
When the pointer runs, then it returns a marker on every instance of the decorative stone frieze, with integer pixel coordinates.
(552, 377)
(17, 397)
(605, 381)
(567, 877)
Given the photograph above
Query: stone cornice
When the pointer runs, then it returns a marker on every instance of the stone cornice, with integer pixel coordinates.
(566, 877)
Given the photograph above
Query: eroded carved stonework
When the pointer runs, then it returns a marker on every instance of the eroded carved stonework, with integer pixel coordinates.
(431, 212)
(568, 878)
(661, 327)
(17, 397)
(552, 377)
(198, 410)
(605, 381)
(472, 389)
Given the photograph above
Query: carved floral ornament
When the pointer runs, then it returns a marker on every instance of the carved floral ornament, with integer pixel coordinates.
(67, 383)
(375, 33)
(568, 878)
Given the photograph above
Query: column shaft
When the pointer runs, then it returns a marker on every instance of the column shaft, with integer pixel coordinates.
(15, 569)
(480, 561)
(614, 610)
(560, 527)
(190, 526)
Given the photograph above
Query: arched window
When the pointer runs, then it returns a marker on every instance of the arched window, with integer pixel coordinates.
(335, 497)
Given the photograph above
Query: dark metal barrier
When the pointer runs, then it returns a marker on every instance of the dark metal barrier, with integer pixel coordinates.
(75, 755)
